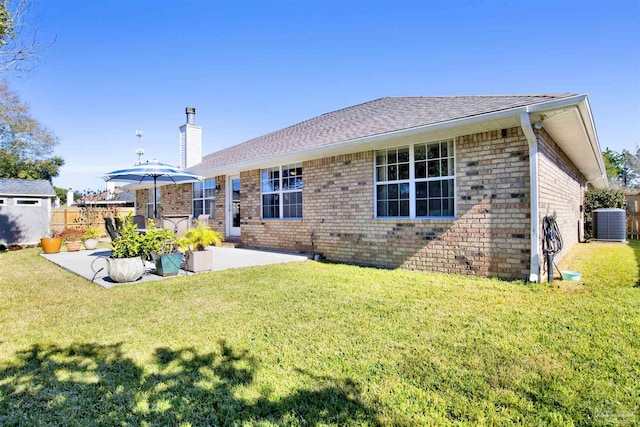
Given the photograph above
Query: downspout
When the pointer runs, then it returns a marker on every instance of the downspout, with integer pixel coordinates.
(534, 262)
(591, 181)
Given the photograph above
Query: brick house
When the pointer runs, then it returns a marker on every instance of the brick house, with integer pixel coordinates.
(444, 184)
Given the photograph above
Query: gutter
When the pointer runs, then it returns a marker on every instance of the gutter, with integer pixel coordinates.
(534, 262)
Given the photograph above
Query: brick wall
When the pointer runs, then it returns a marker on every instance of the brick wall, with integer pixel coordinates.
(178, 200)
(560, 192)
(490, 236)
(218, 223)
(141, 202)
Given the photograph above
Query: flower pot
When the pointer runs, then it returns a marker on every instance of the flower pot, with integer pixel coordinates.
(122, 270)
(73, 246)
(51, 245)
(90, 243)
(198, 261)
(168, 264)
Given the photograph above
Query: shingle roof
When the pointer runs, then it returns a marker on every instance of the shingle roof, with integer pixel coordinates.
(376, 117)
(26, 187)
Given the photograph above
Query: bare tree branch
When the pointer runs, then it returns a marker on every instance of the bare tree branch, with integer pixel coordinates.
(19, 45)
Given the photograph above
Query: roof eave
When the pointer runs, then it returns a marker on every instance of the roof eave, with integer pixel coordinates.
(341, 147)
(572, 127)
(27, 195)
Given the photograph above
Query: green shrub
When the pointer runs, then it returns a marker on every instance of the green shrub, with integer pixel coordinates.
(129, 243)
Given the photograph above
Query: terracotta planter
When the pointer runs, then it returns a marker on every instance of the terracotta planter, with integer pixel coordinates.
(73, 246)
(122, 270)
(199, 261)
(90, 243)
(51, 245)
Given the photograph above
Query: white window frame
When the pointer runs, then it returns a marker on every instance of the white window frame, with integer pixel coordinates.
(412, 181)
(281, 191)
(31, 202)
(149, 209)
(205, 198)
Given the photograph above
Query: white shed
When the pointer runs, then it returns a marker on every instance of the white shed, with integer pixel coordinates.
(25, 210)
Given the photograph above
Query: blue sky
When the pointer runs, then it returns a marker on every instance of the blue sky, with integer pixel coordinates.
(250, 67)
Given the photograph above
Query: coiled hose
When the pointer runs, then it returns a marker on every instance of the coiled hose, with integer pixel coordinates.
(551, 243)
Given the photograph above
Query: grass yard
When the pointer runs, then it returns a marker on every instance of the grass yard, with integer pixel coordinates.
(321, 344)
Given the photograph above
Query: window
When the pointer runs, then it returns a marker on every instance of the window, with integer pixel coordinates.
(27, 202)
(150, 202)
(204, 198)
(416, 181)
(282, 192)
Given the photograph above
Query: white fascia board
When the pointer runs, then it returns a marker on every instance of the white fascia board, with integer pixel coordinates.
(590, 128)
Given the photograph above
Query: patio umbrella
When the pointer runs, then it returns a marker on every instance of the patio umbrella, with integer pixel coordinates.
(152, 171)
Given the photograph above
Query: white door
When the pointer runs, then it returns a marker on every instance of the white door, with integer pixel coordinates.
(233, 207)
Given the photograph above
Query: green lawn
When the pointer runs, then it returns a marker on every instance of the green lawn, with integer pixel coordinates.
(321, 344)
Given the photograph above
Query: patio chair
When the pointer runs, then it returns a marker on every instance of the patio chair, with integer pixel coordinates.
(178, 223)
(111, 228)
(140, 222)
(203, 218)
(118, 223)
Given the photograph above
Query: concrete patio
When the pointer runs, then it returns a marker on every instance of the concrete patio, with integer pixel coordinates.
(92, 265)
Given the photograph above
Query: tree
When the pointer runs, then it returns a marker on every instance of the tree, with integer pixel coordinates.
(61, 193)
(623, 169)
(25, 144)
(19, 47)
(631, 169)
(613, 164)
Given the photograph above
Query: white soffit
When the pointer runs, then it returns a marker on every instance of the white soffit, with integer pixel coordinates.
(569, 131)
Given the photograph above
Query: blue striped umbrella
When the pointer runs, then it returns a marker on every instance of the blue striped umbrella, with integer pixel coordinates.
(153, 171)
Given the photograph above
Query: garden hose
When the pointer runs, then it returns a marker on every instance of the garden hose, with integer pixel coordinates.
(551, 243)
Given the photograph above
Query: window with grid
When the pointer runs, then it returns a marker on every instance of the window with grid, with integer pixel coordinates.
(204, 198)
(416, 181)
(282, 192)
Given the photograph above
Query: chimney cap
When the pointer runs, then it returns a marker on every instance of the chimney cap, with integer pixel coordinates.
(190, 110)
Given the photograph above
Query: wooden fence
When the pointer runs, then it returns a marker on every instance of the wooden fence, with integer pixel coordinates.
(633, 216)
(73, 216)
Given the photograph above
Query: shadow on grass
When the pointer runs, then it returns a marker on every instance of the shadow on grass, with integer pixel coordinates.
(89, 384)
(635, 245)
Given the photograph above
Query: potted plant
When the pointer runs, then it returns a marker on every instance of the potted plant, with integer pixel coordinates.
(72, 238)
(160, 245)
(90, 237)
(51, 244)
(195, 240)
(125, 263)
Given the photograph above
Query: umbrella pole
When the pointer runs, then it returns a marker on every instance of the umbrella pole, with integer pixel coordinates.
(155, 205)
